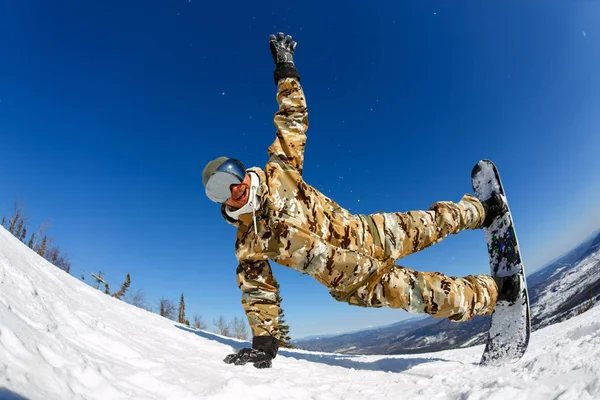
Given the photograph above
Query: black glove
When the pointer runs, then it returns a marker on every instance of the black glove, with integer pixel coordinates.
(282, 50)
(264, 349)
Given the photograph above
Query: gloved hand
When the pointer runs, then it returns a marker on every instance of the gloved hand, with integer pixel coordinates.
(282, 50)
(260, 358)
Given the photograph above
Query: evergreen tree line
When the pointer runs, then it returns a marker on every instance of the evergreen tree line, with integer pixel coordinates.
(43, 245)
(38, 241)
(235, 328)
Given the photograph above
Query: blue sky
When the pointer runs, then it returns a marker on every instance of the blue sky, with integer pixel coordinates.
(110, 110)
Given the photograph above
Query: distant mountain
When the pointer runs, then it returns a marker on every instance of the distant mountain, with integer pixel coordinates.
(330, 335)
(569, 258)
(566, 284)
(556, 292)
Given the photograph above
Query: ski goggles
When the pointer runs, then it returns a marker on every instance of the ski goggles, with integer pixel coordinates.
(231, 172)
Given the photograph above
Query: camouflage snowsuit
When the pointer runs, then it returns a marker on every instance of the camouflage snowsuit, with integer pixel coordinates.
(352, 255)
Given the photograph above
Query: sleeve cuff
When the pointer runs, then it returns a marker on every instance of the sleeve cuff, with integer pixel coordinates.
(285, 70)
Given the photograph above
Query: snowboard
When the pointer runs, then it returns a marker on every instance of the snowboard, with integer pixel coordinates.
(510, 324)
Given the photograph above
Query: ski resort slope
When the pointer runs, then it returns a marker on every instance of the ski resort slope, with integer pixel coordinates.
(62, 339)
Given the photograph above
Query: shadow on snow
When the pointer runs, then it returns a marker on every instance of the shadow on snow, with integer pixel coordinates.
(390, 364)
(6, 394)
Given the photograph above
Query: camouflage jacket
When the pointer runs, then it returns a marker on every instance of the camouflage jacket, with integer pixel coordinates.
(298, 226)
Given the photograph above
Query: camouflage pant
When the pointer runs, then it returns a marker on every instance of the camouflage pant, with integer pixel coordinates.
(390, 236)
(359, 268)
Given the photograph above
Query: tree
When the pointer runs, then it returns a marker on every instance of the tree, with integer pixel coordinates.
(167, 308)
(18, 229)
(63, 262)
(106, 290)
(21, 230)
(222, 326)
(52, 254)
(18, 219)
(17, 225)
(198, 323)
(181, 317)
(239, 329)
(123, 289)
(59, 259)
(39, 234)
(282, 327)
(42, 249)
(138, 299)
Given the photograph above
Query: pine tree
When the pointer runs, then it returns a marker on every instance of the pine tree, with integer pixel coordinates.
(167, 309)
(282, 327)
(17, 221)
(106, 288)
(3, 221)
(123, 289)
(284, 331)
(11, 224)
(18, 230)
(31, 239)
(53, 254)
(181, 318)
(42, 249)
(23, 233)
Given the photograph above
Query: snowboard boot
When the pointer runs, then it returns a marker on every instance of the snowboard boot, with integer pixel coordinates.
(494, 206)
(508, 287)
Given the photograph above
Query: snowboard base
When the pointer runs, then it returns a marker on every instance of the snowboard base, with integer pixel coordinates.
(510, 324)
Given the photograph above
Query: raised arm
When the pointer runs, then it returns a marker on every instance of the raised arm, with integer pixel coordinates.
(291, 120)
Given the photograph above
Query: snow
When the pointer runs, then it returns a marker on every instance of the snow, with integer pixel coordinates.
(62, 339)
(568, 286)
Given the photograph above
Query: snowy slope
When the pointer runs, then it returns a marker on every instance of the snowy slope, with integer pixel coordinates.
(570, 283)
(62, 339)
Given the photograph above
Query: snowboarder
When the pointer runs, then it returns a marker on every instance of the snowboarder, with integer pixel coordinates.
(280, 217)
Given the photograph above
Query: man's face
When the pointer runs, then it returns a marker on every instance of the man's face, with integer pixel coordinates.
(239, 193)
